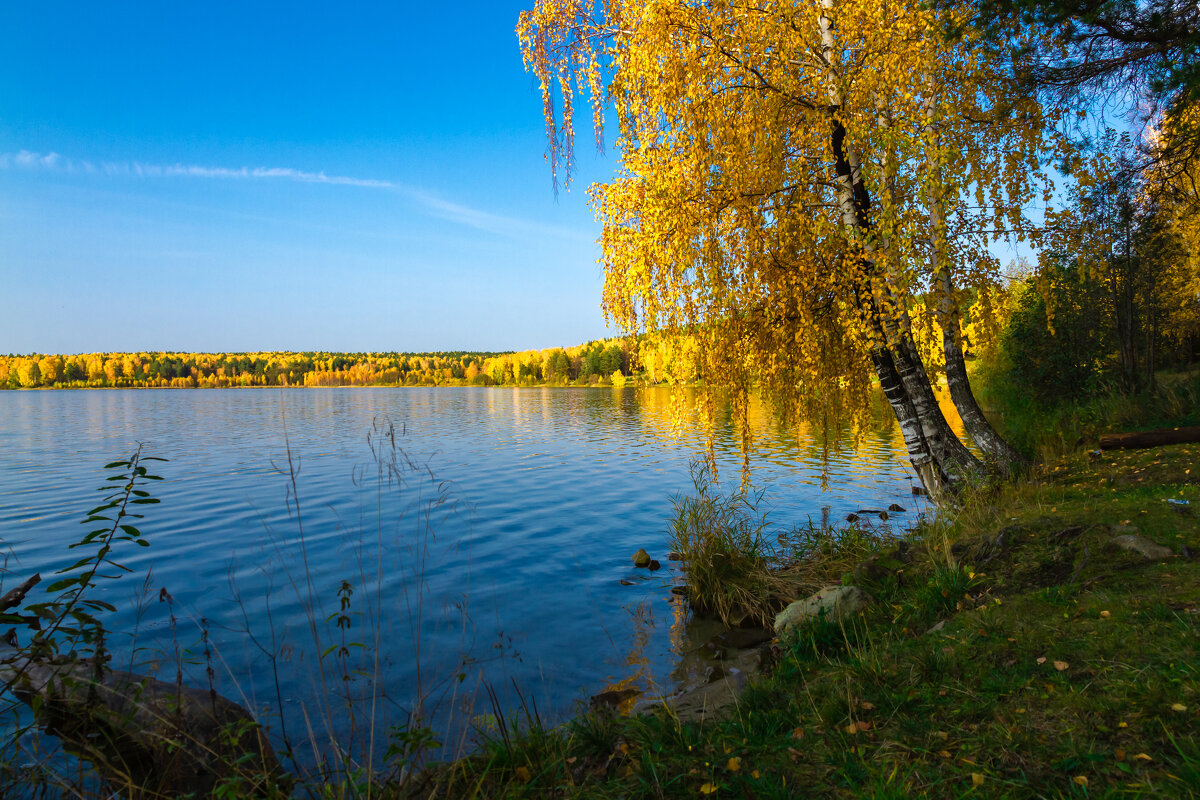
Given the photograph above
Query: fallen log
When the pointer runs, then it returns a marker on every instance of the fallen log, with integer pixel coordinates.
(148, 738)
(16, 596)
(1154, 438)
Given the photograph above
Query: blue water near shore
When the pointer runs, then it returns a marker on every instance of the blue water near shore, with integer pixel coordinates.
(486, 533)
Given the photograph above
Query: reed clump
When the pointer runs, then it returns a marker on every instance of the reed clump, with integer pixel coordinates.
(739, 569)
(814, 556)
(722, 541)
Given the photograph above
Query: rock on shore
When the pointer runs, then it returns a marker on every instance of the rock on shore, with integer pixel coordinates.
(835, 602)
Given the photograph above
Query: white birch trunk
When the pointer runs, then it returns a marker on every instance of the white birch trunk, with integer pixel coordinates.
(940, 459)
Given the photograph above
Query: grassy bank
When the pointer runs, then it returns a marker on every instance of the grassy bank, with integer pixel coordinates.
(1012, 652)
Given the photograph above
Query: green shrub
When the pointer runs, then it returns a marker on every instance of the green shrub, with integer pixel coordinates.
(1050, 355)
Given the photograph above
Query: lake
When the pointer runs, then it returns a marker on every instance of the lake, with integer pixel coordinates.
(484, 533)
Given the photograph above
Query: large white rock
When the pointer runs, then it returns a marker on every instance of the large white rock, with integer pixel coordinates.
(1142, 546)
(838, 602)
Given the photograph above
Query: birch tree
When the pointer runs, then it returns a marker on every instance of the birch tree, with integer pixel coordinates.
(808, 186)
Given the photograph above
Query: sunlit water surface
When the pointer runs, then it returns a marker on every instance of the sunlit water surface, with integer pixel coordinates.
(490, 546)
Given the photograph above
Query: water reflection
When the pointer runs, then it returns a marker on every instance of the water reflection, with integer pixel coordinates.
(503, 553)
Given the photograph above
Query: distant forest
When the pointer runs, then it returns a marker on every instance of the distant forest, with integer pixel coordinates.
(605, 362)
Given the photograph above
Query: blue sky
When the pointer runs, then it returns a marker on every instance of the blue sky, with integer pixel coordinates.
(270, 176)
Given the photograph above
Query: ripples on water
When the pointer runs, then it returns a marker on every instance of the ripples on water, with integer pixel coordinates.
(507, 541)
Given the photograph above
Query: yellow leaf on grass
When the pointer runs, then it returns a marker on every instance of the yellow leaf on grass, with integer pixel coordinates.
(976, 779)
(1143, 757)
(1178, 707)
(944, 753)
(1080, 779)
(754, 773)
(734, 764)
(523, 774)
(708, 788)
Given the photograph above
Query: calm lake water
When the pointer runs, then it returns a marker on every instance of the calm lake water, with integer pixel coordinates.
(486, 534)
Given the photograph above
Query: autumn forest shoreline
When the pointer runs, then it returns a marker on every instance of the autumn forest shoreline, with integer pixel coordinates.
(595, 363)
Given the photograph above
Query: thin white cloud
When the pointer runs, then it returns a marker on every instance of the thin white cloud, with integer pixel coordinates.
(26, 159)
(477, 219)
(488, 221)
(465, 215)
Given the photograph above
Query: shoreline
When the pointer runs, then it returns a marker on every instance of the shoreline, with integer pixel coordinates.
(1056, 616)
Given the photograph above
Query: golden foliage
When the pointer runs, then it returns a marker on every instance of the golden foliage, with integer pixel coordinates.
(604, 362)
(729, 226)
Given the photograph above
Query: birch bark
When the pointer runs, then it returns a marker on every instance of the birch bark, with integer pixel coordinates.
(942, 462)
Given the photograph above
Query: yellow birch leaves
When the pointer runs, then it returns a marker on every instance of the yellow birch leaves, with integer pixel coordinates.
(722, 220)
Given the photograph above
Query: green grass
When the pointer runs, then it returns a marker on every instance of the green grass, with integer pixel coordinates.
(1048, 432)
(883, 708)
